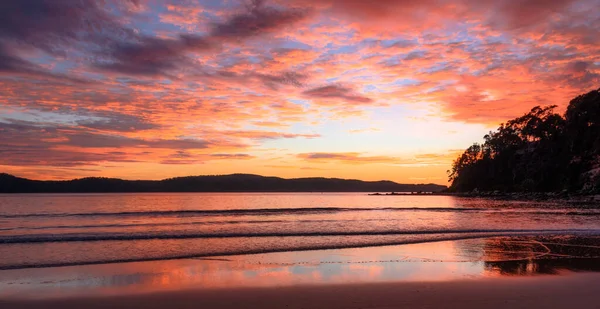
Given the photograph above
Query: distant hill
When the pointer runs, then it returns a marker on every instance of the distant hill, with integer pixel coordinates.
(220, 183)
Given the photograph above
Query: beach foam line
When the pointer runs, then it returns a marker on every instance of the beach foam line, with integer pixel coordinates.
(308, 210)
(425, 239)
(171, 224)
(48, 238)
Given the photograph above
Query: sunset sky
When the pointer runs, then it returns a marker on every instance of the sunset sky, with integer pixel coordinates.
(150, 89)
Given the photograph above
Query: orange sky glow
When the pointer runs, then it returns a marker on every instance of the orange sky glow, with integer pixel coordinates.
(389, 89)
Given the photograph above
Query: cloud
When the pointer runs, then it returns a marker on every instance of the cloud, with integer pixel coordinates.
(118, 122)
(262, 135)
(346, 157)
(152, 56)
(239, 156)
(149, 56)
(182, 157)
(91, 140)
(53, 25)
(25, 155)
(366, 130)
(497, 14)
(295, 167)
(186, 82)
(23, 143)
(12, 66)
(336, 92)
(56, 28)
(273, 80)
(443, 158)
(24, 133)
(96, 29)
(581, 74)
(23, 140)
(259, 19)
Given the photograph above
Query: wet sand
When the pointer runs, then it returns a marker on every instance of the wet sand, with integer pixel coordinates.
(574, 291)
(501, 272)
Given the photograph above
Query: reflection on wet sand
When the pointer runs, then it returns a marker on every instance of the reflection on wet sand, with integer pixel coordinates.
(522, 256)
(438, 261)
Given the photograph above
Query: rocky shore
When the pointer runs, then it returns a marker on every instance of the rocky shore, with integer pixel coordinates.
(510, 196)
(530, 196)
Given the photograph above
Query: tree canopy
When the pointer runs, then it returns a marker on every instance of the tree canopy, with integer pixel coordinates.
(541, 151)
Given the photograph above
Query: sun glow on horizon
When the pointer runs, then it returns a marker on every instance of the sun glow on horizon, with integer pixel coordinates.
(144, 89)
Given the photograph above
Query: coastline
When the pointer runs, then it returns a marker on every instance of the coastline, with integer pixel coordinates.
(508, 196)
(520, 272)
(531, 196)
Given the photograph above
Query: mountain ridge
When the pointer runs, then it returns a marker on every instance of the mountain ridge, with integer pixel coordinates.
(207, 183)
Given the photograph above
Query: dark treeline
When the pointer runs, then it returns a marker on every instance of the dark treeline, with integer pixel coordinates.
(541, 151)
(222, 183)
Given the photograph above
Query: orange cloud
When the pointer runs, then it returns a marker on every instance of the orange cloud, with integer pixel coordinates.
(218, 82)
(348, 157)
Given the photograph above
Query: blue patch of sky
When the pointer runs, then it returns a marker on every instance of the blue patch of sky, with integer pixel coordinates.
(42, 59)
(149, 22)
(399, 42)
(94, 76)
(392, 61)
(369, 41)
(369, 88)
(231, 60)
(219, 4)
(403, 82)
(501, 38)
(415, 55)
(440, 66)
(294, 45)
(64, 66)
(304, 103)
(45, 117)
(253, 59)
(367, 78)
(339, 50)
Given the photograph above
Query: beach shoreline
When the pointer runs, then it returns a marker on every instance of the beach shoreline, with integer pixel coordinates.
(500, 272)
(552, 197)
(574, 290)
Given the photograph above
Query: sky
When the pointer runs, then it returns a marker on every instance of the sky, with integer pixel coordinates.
(388, 89)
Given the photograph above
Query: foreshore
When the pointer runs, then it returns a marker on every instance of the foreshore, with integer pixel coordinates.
(554, 292)
(503, 272)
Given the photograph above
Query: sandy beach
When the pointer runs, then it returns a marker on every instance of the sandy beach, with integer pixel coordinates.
(570, 291)
(504, 272)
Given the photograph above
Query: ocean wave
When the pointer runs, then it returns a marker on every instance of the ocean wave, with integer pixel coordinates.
(49, 238)
(171, 224)
(305, 211)
(423, 238)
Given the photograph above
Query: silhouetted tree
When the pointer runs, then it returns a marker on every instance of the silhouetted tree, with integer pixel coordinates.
(539, 151)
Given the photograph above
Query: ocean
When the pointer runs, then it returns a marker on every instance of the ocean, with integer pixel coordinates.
(43, 230)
